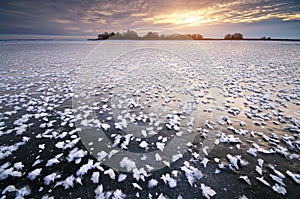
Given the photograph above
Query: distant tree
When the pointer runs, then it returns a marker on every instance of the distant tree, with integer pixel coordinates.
(237, 36)
(117, 36)
(265, 38)
(227, 37)
(130, 34)
(151, 36)
(169, 37)
(105, 35)
(196, 36)
(181, 37)
(162, 37)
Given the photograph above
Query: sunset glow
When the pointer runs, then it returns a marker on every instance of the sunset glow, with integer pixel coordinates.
(211, 18)
(221, 13)
(192, 18)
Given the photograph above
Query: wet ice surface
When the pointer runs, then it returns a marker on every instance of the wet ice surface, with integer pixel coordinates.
(256, 150)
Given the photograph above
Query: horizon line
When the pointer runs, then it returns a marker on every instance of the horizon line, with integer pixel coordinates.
(15, 36)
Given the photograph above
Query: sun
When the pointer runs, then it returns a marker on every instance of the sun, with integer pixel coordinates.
(191, 20)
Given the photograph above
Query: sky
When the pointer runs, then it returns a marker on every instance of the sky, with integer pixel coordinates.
(211, 18)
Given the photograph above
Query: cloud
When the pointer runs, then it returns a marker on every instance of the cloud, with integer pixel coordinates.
(228, 12)
(138, 15)
(89, 16)
(72, 28)
(61, 21)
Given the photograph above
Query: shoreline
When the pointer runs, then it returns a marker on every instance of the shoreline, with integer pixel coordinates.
(204, 39)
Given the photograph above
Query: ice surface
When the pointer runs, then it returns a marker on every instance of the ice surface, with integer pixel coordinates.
(42, 153)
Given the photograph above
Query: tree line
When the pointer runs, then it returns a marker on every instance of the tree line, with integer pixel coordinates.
(132, 35)
(235, 36)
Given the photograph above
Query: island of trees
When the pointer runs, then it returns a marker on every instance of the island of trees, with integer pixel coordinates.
(132, 35)
(235, 36)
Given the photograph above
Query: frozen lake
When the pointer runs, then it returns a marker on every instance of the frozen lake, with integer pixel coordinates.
(149, 119)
